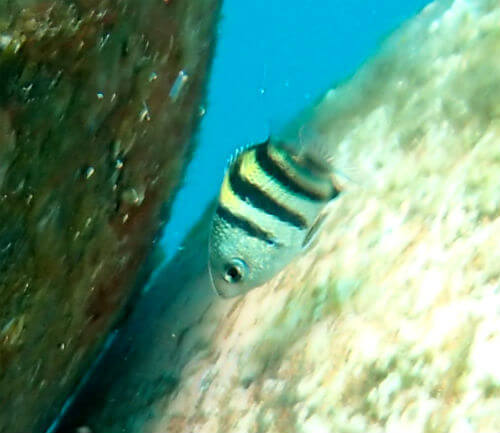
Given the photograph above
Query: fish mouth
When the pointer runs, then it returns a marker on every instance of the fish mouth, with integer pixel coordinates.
(221, 294)
(215, 286)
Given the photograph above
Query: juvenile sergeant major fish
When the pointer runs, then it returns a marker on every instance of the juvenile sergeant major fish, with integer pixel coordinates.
(269, 210)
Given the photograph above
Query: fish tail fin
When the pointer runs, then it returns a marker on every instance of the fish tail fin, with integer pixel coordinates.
(324, 151)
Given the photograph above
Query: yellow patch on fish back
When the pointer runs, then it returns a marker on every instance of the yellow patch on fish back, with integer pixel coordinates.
(227, 196)
(244, 209)
(252, 172)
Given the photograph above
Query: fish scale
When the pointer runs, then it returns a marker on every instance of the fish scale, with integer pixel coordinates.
(269, 210)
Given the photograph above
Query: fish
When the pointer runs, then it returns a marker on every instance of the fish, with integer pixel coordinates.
(270, 209)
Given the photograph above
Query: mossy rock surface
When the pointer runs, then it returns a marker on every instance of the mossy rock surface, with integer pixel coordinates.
(98, 100)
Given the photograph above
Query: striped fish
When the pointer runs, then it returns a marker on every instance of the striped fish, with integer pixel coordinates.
(269, 210)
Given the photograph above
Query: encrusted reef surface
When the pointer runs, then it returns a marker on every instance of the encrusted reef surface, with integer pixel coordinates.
(391, 323)
(98, 99)
(143, 366)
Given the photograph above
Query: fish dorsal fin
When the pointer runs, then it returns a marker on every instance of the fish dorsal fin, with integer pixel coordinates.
(312, 235)
(240, 150)
(234, 156)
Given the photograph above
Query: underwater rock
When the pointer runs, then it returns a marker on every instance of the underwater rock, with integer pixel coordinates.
(145, 360)
(91, 145)
(391, 323)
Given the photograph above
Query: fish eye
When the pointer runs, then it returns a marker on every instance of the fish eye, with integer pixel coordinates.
(235, 270)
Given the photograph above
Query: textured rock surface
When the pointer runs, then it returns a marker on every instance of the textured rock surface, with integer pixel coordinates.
(94, 128)
(391, 323)
(143, 365)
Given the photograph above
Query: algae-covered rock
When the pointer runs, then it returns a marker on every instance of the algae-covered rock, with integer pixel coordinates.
(97, 103)
(143, 366)
(391, 322)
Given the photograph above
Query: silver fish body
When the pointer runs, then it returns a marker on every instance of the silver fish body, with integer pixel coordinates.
(269, 209)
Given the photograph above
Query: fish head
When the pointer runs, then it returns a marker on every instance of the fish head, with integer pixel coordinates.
(239, 263)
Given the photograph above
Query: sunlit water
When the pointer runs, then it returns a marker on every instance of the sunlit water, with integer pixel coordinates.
(273, 59)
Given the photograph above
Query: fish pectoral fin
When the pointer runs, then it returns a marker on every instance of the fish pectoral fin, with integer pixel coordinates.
(312, 235)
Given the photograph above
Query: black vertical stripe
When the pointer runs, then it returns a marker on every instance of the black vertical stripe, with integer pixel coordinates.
(319, 172)
(278, 173)
(334, 192)
(322, 171)
(247, 226)
(315, 166)
(260, 199)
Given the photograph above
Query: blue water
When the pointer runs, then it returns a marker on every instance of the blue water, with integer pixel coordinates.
(273, 59)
